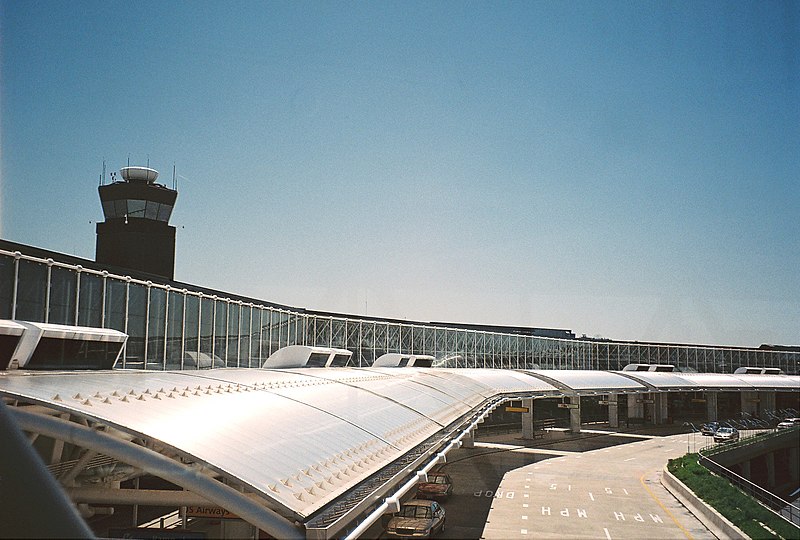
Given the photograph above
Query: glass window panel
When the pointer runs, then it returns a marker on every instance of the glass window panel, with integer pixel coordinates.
(151, 210)
(31, 291)
(90, 303)
(244, 336)
(6, 285)
(283, 329)
(293, 323)
(155, 330)
(268, 333)
(174, 342)
(191, 336)
(417, 341)
(256, 334)
(337, 333)
(207, 327)
(109, 210)
(137, 323)
(164, 212)
(354, 340)
(232, 356)
(220, 330)
(62, 295)
(120, 208)
(114, 300)
(380, 339)
(393, 338)
(322, 332)
(136, 208)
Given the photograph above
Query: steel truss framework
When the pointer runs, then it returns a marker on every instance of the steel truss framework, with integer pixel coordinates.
(167, 326)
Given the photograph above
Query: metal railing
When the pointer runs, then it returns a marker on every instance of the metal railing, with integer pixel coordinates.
(779, 506)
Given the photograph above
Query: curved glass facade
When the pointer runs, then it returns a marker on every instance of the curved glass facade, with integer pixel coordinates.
(171, 328)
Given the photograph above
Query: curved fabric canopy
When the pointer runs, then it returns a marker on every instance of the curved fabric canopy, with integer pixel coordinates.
(299, 438)
(303, 438)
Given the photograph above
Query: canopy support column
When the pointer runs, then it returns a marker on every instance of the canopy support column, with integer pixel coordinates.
(527, 419)
(575, 414)
(613, 410)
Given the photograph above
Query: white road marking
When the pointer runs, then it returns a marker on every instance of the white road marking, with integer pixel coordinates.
(629, 459)
(607, 535)
(591, 496)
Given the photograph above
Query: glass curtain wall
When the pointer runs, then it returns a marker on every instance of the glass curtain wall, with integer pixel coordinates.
(171, 328)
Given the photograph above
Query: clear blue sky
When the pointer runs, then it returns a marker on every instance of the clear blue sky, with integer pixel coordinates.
(624, 169)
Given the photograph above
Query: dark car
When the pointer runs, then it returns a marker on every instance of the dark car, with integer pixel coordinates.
(438, 486)
(417, 518)
(709, 428)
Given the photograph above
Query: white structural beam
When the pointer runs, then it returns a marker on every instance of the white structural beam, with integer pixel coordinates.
(162, 467)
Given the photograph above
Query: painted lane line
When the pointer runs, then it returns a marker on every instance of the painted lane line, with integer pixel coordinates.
(591, 496)
(607, 535)
(629, 459)
(641, 480)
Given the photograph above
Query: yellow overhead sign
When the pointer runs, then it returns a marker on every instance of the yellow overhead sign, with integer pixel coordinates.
(517, 409)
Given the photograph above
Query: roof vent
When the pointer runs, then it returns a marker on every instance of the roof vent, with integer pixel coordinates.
(649, 367)
(296, 356)
(403, 360)
(745, 370)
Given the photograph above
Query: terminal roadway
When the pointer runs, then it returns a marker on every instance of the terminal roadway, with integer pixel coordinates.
(509, 491)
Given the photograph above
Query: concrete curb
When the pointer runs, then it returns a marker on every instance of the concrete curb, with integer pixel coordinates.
(713, 520)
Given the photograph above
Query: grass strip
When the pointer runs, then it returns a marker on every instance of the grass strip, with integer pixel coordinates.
(742, 510)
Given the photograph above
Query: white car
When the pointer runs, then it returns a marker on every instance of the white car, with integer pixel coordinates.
(789, 423)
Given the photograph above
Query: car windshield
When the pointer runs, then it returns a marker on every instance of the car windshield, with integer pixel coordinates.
(439, 479)
(413, 511)
(726, 430)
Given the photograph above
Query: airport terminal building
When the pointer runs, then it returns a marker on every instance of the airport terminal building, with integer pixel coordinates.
(136, 390)
(174, 325)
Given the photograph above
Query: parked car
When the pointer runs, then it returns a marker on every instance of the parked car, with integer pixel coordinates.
(789, 423)
(709, 428)
(417, 518)
(438, 486)
(726, 434)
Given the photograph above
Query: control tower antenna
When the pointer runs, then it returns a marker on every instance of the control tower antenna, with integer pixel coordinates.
(174, 178)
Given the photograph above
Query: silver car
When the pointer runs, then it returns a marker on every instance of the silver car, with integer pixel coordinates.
(726, 434)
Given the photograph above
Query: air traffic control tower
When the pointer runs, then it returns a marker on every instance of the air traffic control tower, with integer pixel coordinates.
(136, 233)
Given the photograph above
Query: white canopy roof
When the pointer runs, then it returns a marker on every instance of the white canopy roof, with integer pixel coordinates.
(302, 438)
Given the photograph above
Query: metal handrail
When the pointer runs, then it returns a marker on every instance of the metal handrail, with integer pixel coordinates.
(777, 505)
